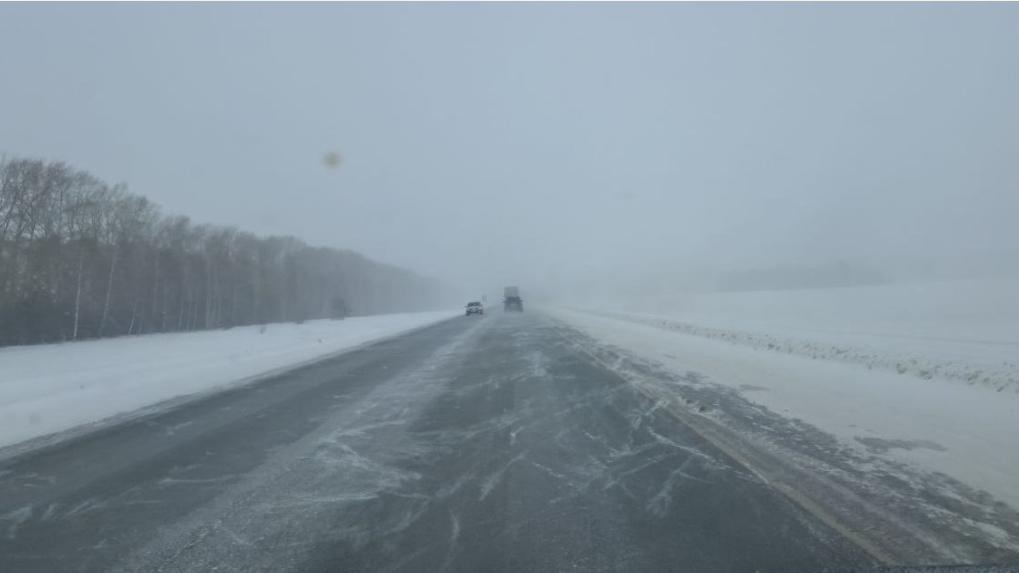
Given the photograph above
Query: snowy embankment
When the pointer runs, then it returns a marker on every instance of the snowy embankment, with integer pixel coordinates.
(962, 330)
(51, 388)
(922, 374)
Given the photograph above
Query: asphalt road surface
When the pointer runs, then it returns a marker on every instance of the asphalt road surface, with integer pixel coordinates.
(478, 444)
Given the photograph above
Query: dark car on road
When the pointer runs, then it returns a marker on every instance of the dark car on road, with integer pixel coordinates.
(475, 308)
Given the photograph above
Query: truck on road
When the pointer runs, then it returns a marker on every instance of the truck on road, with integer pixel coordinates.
(511, 300)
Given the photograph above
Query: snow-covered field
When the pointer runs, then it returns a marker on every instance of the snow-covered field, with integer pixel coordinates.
(51, 388)
(960, 330)
(920, 374)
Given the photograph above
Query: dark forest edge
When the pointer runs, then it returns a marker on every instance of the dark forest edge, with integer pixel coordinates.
(80, 258)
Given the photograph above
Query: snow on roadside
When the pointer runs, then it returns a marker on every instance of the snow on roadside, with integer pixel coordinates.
(937, 425)
(966, 331)
(988, 363)
(50, 388)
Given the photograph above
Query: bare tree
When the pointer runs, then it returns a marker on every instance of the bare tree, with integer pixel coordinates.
(80, 259)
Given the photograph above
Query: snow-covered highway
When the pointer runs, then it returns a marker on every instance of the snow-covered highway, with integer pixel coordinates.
(503, 443)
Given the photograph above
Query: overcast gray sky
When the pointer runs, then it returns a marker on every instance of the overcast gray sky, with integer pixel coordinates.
(490, 144)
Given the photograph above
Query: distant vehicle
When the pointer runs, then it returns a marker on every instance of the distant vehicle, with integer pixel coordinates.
(475, 308)
(511, 300)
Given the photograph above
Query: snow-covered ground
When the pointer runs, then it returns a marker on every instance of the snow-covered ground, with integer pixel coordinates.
(887, 370)
(960, 330)
(51, 388)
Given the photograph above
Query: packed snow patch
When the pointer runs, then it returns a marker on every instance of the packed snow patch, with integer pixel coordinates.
(55, 387)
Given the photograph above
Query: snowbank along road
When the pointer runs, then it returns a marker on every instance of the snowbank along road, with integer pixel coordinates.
(503, 443)
(56, 388)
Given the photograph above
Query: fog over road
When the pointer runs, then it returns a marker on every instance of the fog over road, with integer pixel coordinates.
(478, 444)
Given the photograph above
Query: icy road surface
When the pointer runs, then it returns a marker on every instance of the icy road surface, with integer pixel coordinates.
(502, 443)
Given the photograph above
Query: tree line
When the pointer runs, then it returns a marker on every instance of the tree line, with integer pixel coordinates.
(80, 258)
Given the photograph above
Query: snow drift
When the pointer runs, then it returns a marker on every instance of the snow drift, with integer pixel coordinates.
(50, 388)
(964, 331)
(923, 374)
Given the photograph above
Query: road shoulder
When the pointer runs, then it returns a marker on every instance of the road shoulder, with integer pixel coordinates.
(899, 515)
